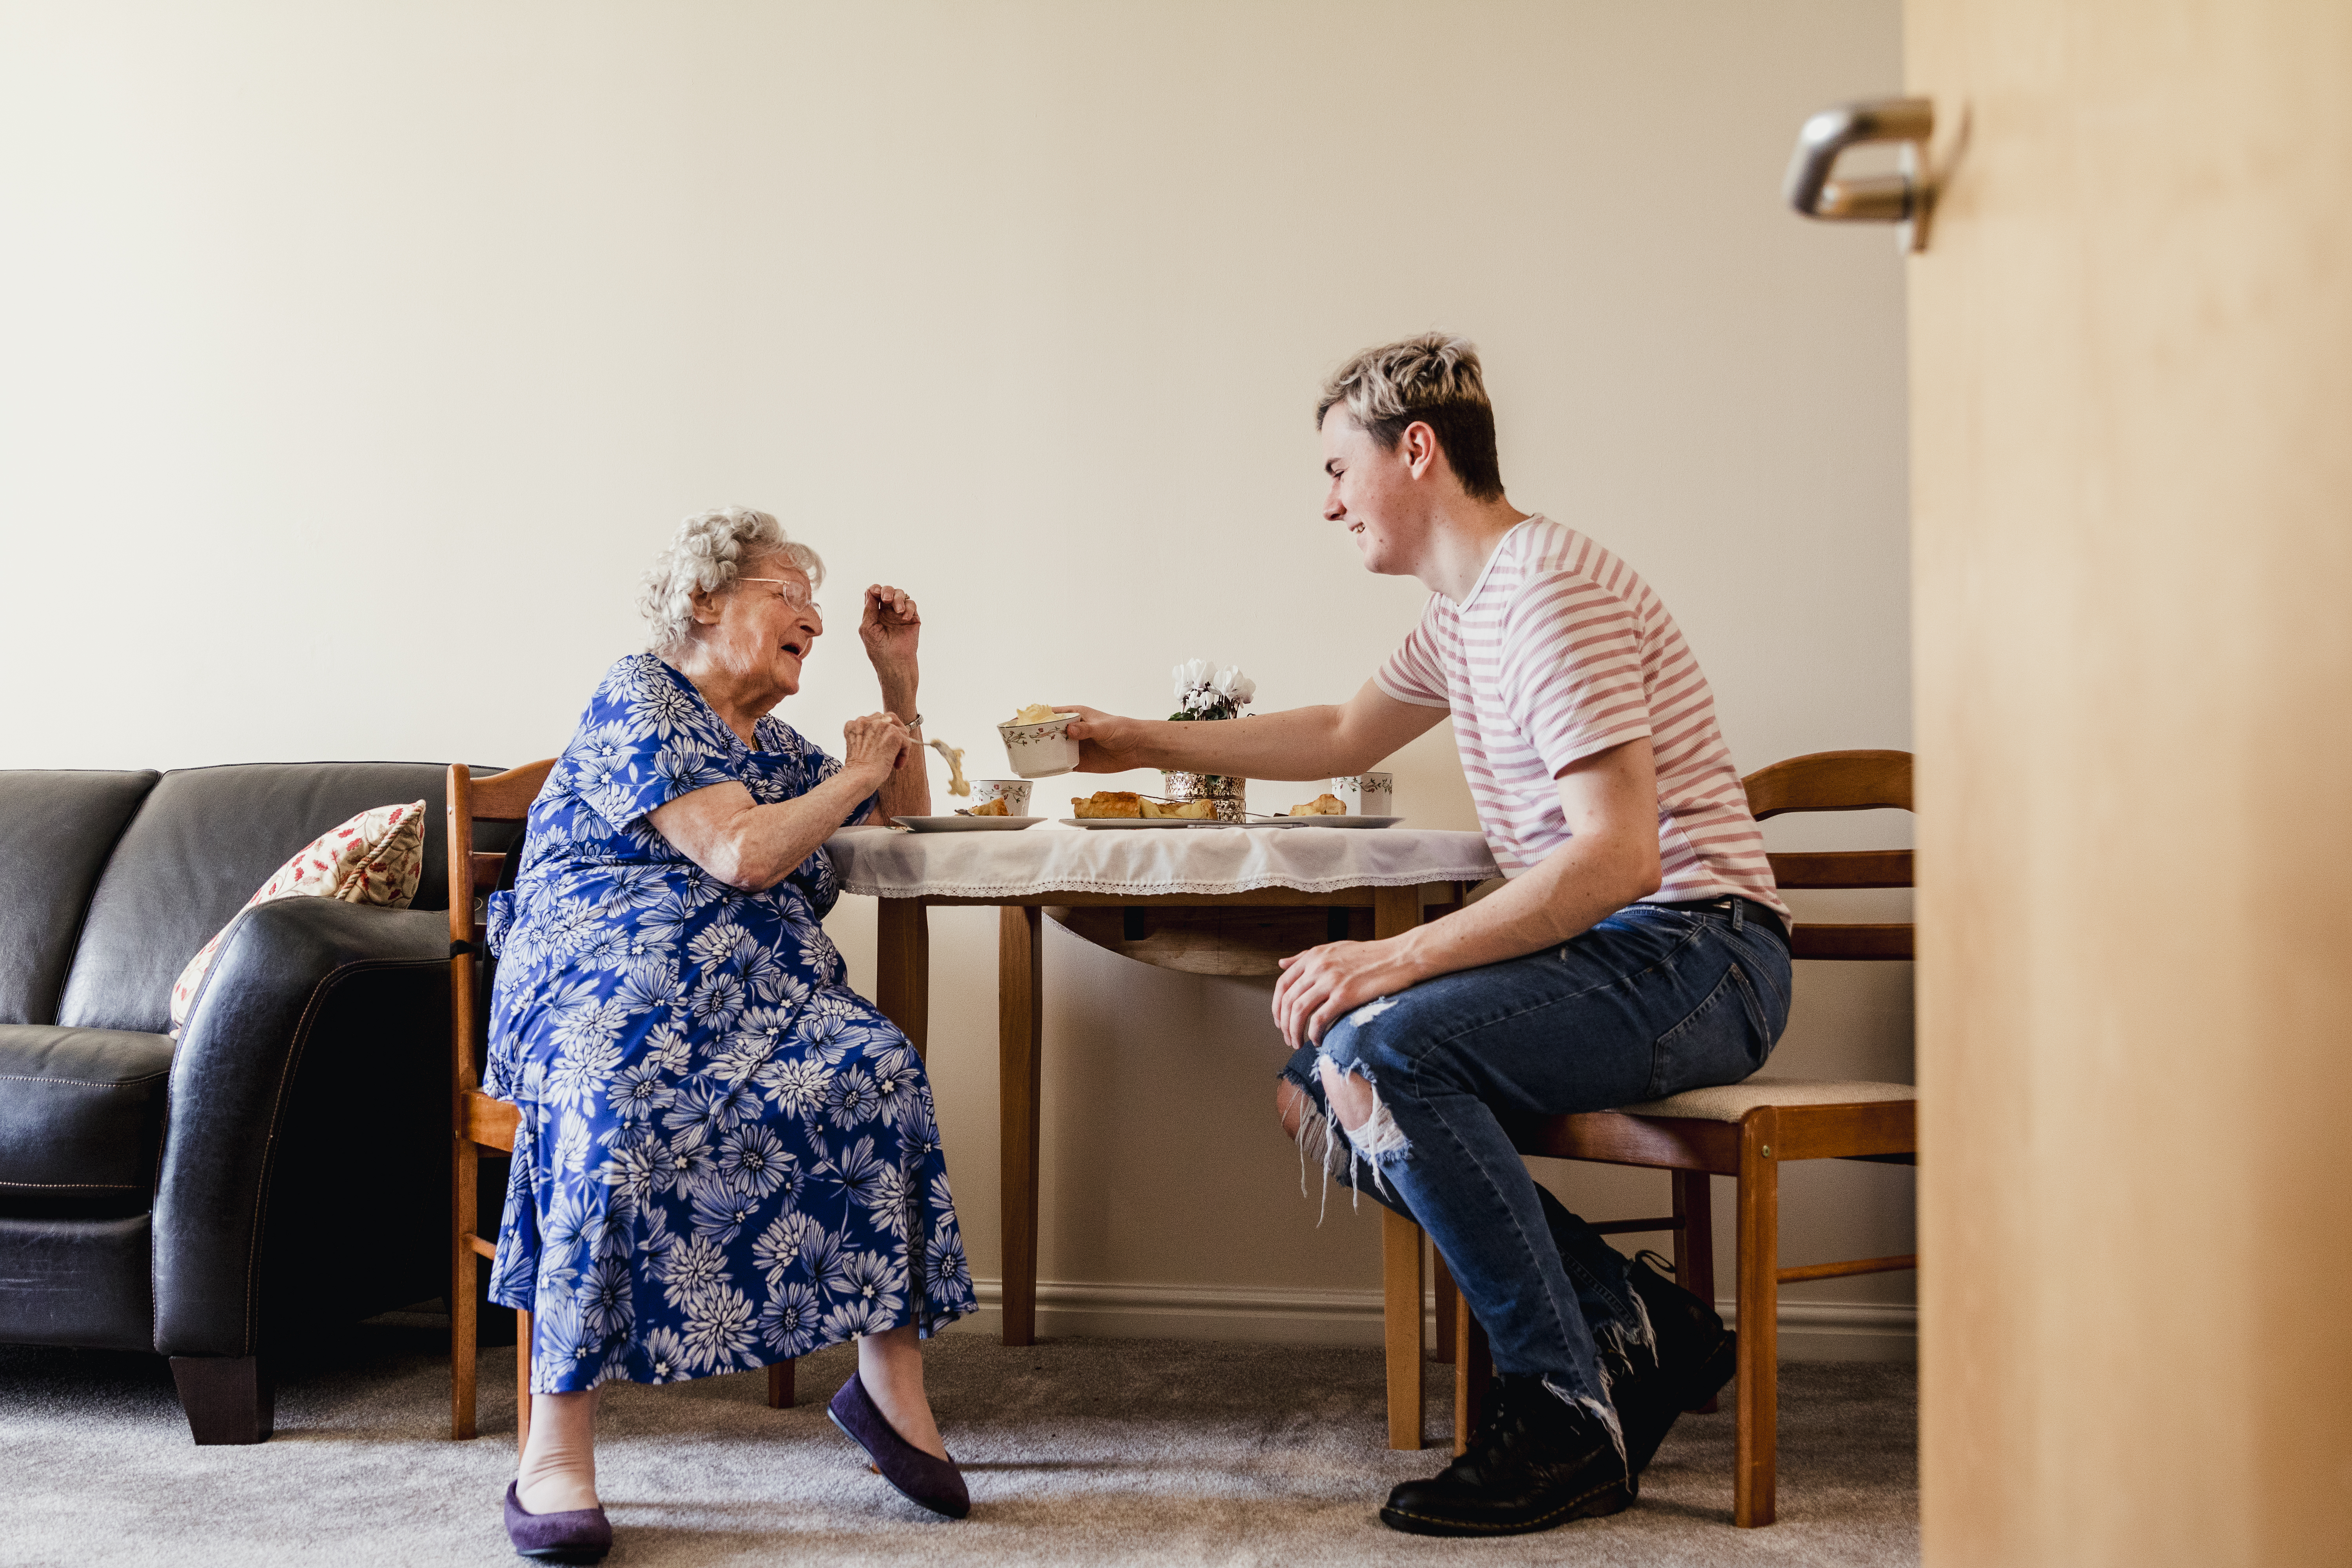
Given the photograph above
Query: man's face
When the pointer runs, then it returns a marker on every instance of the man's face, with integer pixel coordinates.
(1373, 492)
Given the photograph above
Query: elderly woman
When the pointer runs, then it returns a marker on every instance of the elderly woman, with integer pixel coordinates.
(726, 1156)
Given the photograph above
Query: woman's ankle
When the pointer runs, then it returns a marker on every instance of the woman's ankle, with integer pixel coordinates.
(891, 1367)
(558, 1472)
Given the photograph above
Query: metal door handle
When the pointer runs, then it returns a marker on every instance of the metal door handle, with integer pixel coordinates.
(1901, 198)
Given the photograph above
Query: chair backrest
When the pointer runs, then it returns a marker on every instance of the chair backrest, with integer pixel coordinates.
(1840, 781)
(473, 874)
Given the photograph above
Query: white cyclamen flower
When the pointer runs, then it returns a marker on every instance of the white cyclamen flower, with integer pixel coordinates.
(1190, 675)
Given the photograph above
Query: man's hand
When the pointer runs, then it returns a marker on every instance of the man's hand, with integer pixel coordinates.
(1106, 742)
(1324, 985)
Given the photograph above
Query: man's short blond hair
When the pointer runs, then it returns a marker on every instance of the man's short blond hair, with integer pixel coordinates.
(1434, 380)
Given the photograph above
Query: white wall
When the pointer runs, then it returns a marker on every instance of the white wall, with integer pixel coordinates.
(354, 360)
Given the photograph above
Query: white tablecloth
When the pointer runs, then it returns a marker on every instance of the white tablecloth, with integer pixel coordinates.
(887, 863)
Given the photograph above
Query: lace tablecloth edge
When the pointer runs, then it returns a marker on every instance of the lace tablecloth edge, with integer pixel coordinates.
(1096, 885)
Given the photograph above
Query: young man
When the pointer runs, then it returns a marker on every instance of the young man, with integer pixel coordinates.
(1638, 950)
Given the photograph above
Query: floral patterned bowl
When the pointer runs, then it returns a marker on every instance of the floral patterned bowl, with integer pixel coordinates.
(1041, 751)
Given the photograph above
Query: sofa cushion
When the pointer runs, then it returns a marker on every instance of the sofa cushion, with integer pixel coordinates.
(81, 1118)
(56, 828)
(203, 840)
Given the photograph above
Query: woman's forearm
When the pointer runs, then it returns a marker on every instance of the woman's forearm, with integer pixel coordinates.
(753, 846)
(907, 791)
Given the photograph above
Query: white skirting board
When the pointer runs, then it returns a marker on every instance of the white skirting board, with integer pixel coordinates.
(1810, 1331)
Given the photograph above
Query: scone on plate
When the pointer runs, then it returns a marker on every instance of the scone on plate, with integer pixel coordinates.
(996, 807)
(1108, 802)
(1324, 805)
(1193, 810)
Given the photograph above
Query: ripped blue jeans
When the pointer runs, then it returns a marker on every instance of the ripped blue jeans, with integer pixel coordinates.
(1652, 1001)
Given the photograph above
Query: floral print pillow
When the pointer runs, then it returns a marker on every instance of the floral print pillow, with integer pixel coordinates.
(375, 859)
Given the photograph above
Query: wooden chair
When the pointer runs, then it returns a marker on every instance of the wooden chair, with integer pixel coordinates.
(480, 1123)
(1744, 1130)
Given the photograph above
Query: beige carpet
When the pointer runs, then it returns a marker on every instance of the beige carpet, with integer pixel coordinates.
(1078, 1452)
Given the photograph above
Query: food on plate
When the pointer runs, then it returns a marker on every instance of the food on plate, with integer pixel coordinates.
(953, 756)
(1108, 802)
(1039, 713)
(1195, 810)
(1324, 805)
(997, 807)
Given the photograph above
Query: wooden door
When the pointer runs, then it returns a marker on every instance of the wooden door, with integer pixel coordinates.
(2132, 447)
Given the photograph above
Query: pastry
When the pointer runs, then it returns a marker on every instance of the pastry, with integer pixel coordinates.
(1194, 810)
(1039, 713)
(1324, 805)
(1108, 802)
(996, 807)
(953, 755)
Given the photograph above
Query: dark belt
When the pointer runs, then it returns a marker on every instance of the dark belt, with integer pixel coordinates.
(1751, 912)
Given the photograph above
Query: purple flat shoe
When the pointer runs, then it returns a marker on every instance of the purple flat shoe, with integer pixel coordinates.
(934, 1484)
(580, 1535)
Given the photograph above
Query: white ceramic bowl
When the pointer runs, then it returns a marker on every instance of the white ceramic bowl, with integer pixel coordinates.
(1367, 794)
(1013, 792)
(1041, 751)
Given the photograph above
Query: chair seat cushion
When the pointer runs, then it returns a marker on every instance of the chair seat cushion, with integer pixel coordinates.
(1730, 1101)
(81, 1116)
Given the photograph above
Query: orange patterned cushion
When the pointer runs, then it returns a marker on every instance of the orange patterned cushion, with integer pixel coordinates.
(374, 858)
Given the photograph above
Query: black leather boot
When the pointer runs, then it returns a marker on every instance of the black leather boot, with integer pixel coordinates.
(1537, 1462)
(1696, 1356)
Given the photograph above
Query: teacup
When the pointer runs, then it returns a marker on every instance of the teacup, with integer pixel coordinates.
(1367, 794)
(1013, 792)
(1041, 751)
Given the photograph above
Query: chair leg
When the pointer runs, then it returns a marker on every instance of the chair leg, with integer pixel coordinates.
(779, 1385)
(1473, 1373)
(1449, 1302)
(465, 1319)
(1695, 1246)
(523, 1382)
(1754, 1481)
(1401, 1322)
(228, 1398)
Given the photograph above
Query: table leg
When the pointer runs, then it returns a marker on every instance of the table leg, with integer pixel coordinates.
(1020, 1033)
(903, 987)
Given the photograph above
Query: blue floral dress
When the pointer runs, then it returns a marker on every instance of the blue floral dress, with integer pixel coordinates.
(726, 1156)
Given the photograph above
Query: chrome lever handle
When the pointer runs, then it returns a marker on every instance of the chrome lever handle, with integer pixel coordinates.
(1901, 198)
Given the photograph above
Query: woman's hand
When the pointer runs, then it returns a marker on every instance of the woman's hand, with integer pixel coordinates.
(874, 746)
(890, 629)
(1324, 985)
(1106, 742)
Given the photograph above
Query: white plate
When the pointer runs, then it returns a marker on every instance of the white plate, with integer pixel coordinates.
(967, 823)
(1212, 822)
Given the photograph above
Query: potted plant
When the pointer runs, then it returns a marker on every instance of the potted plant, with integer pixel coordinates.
(1205, 693)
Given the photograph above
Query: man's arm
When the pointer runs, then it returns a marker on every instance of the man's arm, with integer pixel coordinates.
(1296, 743)
(1610, 799)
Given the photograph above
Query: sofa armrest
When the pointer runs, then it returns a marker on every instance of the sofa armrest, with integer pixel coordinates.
(310, 1083)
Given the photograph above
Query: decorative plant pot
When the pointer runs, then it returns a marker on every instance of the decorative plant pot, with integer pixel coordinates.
(1226, 791)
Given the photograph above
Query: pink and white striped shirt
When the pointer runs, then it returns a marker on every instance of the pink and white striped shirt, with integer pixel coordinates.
(1560, 651)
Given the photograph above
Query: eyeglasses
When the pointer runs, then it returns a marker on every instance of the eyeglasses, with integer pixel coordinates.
(791, 594)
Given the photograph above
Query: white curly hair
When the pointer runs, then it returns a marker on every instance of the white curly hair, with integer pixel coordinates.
(709, 552)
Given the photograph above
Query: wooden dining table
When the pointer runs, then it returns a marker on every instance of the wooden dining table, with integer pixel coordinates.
(1205, 899)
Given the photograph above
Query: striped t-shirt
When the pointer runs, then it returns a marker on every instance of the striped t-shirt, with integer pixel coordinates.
(1560, 651)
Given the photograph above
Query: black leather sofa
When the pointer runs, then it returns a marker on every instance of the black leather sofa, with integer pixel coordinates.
(283, 1170)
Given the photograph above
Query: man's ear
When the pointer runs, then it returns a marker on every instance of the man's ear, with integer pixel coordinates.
(1419, 445)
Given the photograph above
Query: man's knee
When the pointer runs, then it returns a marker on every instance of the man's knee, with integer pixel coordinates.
(1348, 1096)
